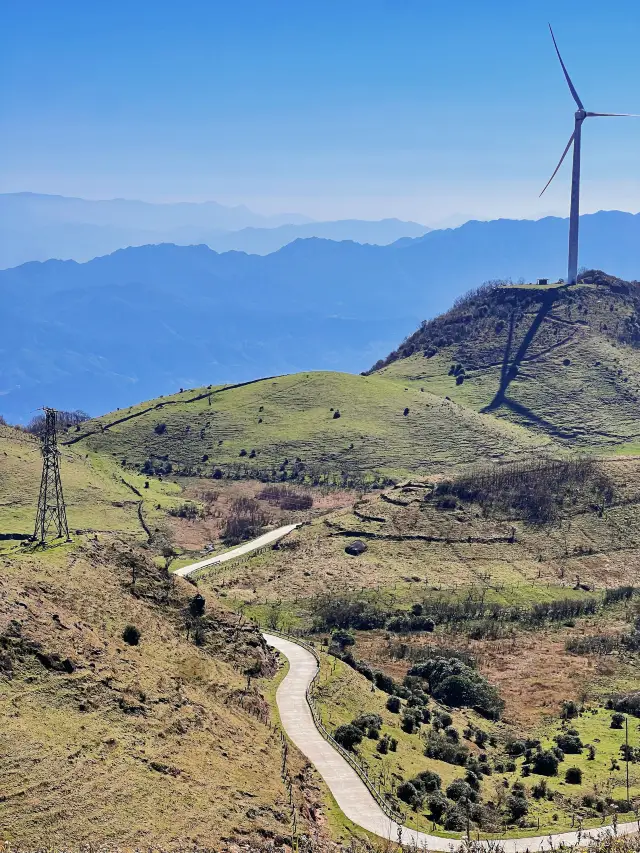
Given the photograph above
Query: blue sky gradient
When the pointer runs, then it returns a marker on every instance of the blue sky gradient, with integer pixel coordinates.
(419, 110)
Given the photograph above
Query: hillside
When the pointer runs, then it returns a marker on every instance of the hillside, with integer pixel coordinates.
(310, 427)
(115, 743)
(149, 320)
(529, 576)
(563, 362)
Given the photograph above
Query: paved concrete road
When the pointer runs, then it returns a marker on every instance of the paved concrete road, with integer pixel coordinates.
(241, 550)
(349, 790)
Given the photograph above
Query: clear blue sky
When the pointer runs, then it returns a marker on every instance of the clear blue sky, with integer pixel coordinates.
(413, 109)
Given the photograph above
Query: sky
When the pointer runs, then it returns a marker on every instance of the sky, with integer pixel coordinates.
(429, 111)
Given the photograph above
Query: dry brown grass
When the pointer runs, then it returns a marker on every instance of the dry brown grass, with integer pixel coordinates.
(138, 745)
(216, 498)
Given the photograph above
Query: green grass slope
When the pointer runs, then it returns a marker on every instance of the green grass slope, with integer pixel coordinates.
(564, 362)
(385, 427)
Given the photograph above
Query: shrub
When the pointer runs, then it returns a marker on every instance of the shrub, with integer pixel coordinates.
(131, 635)
(461, 790)
(408, 794)
(440, 748)
(573, 776)
(517, 805)
(545, 763)
(428, 781)
(438, 805)
(394, 704)
(383, 745)
(343, 639)
(245, 521)
(160, 428)
(455, 683)
(348, 736)
(455, 820)
(367, 721)
(569, 742)
(411, 720)
(617, 721)
(197, 605)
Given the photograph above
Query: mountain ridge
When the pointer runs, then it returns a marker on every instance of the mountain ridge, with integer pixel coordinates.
(148, 320)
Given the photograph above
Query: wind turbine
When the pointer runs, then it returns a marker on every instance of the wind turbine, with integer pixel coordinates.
(574, 217)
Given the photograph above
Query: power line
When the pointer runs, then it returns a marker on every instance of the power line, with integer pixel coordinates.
(52, 513)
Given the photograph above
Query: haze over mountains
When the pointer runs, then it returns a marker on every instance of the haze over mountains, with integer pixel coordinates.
(148, 320)
(36, 227)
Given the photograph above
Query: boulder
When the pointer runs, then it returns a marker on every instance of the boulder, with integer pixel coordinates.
(356, 548)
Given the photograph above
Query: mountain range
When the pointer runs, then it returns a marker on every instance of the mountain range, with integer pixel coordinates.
(36, 227)
(148, 320)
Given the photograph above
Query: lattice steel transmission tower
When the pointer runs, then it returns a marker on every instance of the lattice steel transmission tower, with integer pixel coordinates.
(51, 509)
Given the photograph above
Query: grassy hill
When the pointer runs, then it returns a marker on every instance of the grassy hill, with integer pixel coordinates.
(562, 362)
(310, 426)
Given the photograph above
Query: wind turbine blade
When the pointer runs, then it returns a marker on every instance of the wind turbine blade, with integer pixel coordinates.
(615, 115)
(564, 154)
(576, 97)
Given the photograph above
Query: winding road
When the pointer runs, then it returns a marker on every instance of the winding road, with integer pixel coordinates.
(350, 792)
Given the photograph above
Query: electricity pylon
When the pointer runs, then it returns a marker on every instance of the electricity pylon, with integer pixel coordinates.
(51, 509)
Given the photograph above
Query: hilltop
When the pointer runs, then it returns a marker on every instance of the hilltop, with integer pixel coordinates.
(561, 361)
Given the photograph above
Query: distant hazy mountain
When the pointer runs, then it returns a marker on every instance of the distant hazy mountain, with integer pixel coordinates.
(37, 227)
(145, 321)
(262, 241)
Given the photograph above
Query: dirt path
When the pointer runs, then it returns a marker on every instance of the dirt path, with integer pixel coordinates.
(349, 790)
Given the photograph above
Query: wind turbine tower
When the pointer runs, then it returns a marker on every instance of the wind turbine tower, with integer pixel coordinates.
(575, 140)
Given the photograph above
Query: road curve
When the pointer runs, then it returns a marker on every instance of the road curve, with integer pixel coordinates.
(350, 792)
(240, 551)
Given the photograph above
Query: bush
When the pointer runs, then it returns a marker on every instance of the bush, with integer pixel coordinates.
(455, 820)
(573, 776)
(617, 721)
(545, 763)
(408, 794)
(131, 635)
(343, 639)
(348, 736)
(160, 428)
(461, 790)
(455, 683)
(383, 745)
(569, 742)
(394, 704)
(517, 805)
(367, 721)
(438, 805)
(245, 521)
(197, 605)
(440, 748)
(411, 720)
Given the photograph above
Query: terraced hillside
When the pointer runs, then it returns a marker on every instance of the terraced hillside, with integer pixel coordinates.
(310, 426)
(563, 362)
